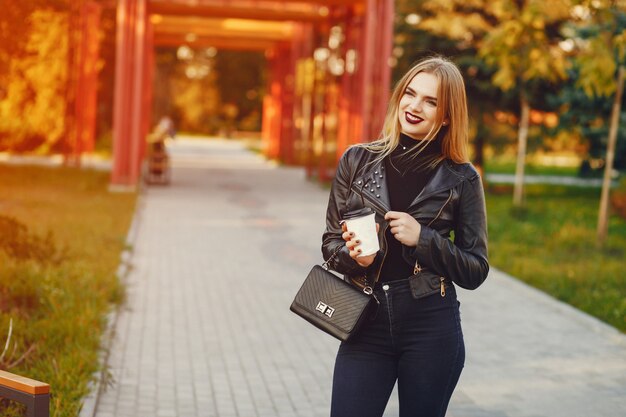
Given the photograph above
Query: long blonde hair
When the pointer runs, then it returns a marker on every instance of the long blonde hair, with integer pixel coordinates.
(452, 105)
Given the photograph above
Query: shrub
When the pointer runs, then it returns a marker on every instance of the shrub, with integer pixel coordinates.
(17, 242)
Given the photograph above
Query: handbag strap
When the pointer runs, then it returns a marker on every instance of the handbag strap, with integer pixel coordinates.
(367, 289)
(326, 264)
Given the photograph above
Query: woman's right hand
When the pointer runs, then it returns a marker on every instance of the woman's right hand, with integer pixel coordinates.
(353, 247)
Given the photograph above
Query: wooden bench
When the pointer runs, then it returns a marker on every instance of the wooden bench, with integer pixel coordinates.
(33, 394)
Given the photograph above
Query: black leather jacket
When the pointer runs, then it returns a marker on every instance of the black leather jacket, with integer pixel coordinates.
(452, 201)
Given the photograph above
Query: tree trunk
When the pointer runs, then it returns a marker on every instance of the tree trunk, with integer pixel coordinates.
(518, 190)
(603, 216)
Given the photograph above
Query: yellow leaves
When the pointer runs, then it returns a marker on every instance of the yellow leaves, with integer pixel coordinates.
(620, 45)
(455, 26)
(535, 54)
(597, 69)
(520, 51)
(502, 9)
(553, 10)
(439, 6)
(446, 20)
(505, 77)
(559, 62)
(522, 45)
(34, 105)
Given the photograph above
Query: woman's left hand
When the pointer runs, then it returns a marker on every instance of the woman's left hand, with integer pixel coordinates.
(404, 227)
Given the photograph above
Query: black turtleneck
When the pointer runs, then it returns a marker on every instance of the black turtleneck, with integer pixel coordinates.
(406, 177)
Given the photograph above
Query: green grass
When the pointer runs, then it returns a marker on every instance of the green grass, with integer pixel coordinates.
(493, 167)
(61, 236)
(552, 247)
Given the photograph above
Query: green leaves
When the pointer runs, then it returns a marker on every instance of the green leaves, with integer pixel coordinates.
(601, 42)
(597, 69)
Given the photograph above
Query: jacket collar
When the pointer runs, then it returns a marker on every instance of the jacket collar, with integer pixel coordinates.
(373, 185)
(444, 178)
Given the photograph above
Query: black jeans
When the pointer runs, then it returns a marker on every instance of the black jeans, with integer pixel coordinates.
(419, 343)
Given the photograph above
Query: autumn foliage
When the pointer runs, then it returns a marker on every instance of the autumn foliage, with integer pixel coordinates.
(34, 75)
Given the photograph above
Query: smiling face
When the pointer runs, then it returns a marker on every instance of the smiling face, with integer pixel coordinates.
(417, 111)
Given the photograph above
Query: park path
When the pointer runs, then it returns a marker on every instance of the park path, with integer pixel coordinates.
(548, 179)
(206, 330)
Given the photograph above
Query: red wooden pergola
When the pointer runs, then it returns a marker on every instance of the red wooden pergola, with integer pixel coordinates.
(329, 71)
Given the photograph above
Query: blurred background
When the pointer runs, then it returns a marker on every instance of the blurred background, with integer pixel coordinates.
(548, 70)
(92, 83)
(550, 67)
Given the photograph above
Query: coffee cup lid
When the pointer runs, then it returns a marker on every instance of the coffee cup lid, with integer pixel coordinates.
(355, 214)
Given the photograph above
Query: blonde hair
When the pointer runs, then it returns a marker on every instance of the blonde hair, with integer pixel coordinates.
(451, 105)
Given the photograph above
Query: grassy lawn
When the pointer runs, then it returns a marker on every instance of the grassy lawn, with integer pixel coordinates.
(61, 235)
(494, 167)
(552, 247)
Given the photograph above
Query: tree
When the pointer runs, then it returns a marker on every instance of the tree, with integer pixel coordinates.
(519, 39)
(585, 119)
(602, 63)
(413, 42)
(15, 27)
(603, 215)
(33, 107)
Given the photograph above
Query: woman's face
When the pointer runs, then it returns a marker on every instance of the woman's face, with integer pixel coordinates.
(418, 106)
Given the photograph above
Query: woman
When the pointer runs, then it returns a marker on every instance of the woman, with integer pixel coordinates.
(419, 182)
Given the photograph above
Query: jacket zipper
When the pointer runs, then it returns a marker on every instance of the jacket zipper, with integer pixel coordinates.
(441, 209)
(418, 268)
(382, 210)
(380, 268)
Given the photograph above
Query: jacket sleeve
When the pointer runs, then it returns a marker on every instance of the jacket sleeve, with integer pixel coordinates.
(331, 239)
(465, 261)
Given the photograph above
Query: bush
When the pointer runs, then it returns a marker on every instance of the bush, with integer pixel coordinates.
(18, 243)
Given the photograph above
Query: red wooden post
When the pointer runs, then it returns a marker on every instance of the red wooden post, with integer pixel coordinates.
(87, 83)
(345, 133)
(287, 63)
(138, 73)
(148, 80)
(121, 136)
(367, 60)
(274, 116)
(128, 134)
(382, 71)
(303, 50)
(266, 126)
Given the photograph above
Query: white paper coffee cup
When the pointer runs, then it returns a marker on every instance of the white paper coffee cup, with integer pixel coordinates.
(364, 229)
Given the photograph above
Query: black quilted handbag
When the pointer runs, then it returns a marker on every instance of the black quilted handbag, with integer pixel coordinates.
(332, 304)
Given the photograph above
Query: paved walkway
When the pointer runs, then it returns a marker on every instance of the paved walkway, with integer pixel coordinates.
(206, 330)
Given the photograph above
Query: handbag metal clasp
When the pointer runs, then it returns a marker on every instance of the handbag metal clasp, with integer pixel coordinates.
(368, 290)
(325, 309)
